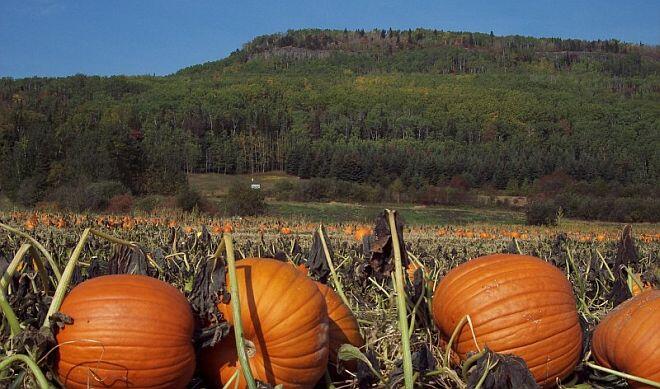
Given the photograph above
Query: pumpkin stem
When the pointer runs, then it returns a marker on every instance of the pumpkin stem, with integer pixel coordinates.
(236, 313)
(402, 307)
(38, 245)
(333, 273)
(627, 376)
(36, 371)
(250, 349)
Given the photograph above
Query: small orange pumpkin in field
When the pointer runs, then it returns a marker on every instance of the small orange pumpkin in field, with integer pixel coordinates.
(127, 331)
(361, 232)
(285, 326)
(344, 327)
(285, 231)
(518, 305)
(627, 338)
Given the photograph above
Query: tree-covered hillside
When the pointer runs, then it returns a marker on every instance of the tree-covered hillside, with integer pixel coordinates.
(424, 105)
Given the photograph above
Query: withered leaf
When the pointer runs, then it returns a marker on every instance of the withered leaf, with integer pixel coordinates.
(422, 361)
(128, 260)
(365, 377)
(503, 371)
(317, 261)
(296, 249)
(211, 335)
(59, 320)
(380, 248)
(4, 264)
(626, 256)
(204, 237)
(280, 256)
(96, 268)
(34, 341)
(209, 287)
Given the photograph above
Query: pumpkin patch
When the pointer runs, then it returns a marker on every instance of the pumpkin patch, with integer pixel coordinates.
(499, 319)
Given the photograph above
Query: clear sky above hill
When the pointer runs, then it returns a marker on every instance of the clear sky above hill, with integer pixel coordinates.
(65, 37)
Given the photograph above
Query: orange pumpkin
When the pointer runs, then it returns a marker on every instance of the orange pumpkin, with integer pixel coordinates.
(518, 305)
(127, 331)
(361, 232)
(285, 326)
(627, 338)
(344, 327)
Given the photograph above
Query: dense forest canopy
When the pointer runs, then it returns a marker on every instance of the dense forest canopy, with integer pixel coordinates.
(365, 106)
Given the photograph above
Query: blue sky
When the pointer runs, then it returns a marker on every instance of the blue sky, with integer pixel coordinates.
(64, 37)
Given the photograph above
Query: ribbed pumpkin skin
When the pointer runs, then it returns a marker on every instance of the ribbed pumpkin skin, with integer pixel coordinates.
(128, 331)
(344, 327)
(284, 316)
(518, 305)
(627, 339)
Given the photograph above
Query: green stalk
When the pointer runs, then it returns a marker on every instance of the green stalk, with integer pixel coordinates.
(236, 313)
(41, 270)
(36, 371)
(482, 379)
(631, 377)
(233, 377)
(469, 362)
(14, 325)
(111, 238)
(13, 265)
(413, 314)
(38, 245)
(453, 336)
(333, 272)
(609, 271)
(401, 303)
(66, 278)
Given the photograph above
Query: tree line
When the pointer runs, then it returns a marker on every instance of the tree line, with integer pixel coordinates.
(421, 106)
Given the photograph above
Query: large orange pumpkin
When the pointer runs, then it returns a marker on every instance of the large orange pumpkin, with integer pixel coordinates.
(344, 327)
(128, 331)
(285, 326)
(627, 339)
(518, 305)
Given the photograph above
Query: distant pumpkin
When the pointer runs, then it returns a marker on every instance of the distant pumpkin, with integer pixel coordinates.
(361, 232)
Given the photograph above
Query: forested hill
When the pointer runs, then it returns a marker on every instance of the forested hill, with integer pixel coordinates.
(423, 105)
